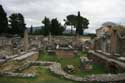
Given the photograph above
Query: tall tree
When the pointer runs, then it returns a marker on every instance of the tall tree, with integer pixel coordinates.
(53, 27)
(82, 24)
(70, 21)
(46, 27)
(3, 21)
(79, 22)
(56, 27)
(17, 24)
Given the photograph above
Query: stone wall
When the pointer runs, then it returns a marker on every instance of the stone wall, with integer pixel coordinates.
(11, 74)
(17, 61)
(16, 45)
(111, 64)
(57, 40)
(56, 68)
(65, 53)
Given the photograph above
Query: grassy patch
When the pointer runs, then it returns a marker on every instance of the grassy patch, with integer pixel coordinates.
(97, 68)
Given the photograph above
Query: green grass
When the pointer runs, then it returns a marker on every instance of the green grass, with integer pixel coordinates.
(97, 68)
(46, 57)
(63, 60)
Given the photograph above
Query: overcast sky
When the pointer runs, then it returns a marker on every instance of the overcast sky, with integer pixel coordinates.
(97, 11)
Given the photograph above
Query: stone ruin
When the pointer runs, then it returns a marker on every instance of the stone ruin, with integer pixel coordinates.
(65, 51)
(69, 69)
(60, 45)
(86, 64)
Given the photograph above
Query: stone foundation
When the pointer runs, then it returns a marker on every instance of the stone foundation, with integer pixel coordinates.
(66, 53)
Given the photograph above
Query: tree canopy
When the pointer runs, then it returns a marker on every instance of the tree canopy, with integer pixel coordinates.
(46, 27)
(56, 27)
(53, 27)
(79, 22)
(17, 24)
(3, 21)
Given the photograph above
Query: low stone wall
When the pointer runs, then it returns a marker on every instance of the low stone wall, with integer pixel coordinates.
(65, 53)
(24, 56)
(23, 67)
(110, 63)
(56, 68)
(11, 74)
(18, 62)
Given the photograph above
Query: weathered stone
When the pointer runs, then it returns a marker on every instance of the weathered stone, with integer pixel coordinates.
(11, 74)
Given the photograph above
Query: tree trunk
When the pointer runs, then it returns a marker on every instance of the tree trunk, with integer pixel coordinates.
(79, 31)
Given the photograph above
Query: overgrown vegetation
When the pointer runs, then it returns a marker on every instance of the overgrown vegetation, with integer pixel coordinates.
(45, 76)
(75, 61)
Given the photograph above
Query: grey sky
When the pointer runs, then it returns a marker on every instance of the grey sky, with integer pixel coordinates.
(97, 11)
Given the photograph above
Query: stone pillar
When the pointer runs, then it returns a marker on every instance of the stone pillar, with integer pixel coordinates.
(113, 42)
(50, 39)
(26, 42)
(77, 41)
(39, 44)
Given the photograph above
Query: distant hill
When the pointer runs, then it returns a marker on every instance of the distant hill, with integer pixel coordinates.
(34, 28)
(67, 31)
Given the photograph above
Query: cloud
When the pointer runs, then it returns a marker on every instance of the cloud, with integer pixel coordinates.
(97, 11)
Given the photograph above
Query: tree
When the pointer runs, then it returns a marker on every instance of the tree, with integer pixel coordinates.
(3, 21)
(53, 27)
(82, 24)
(17, 24)
(56, 27)
(79, 22)
(71, 21)
(46, 27)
